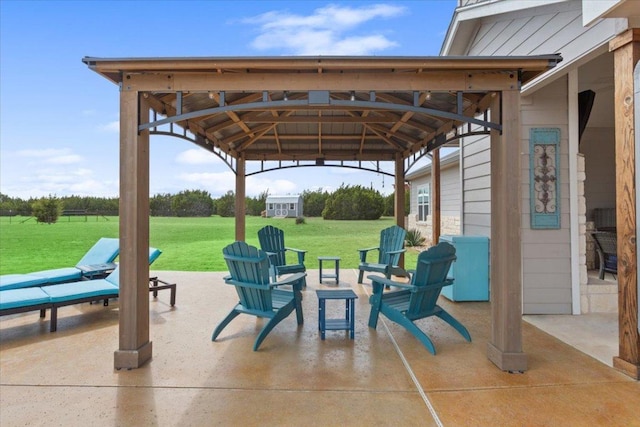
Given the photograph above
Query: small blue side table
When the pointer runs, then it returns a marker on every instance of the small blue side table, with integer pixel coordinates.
(346, 324)
(336, 260)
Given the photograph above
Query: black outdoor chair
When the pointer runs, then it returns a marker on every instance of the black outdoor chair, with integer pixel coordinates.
(607, 249)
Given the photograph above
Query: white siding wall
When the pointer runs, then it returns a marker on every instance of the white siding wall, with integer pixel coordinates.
(476, 185)
(546, 253)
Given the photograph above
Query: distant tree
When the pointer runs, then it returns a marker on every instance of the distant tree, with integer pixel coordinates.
(192, 203)
(354, 203)
(160, 205)
(390, 203)
(314, 202)
(14, 206)
(226, 205)
(47, 209)
(255, 205)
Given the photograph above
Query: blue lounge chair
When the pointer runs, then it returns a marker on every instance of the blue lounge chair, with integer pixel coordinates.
(97, 262)
(60, 295)
(249, 273)
(418, 298)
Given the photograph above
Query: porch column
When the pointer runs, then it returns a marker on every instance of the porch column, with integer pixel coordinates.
(399, 197)
(626, 50)
(435, 196)
(505, 347)
(241, 183)
(135, 347)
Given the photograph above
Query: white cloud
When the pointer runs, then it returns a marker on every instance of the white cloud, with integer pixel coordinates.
(219, 183)
(324, 32)
(61, 182)
(47, 152)
(110, 127)
(54, 156)
(197, 156)
(65, 159)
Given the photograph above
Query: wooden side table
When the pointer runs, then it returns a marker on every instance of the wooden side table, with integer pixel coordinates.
(346, 324)
(336, 261)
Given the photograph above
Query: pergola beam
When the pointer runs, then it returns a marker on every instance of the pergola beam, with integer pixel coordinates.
(433, 81)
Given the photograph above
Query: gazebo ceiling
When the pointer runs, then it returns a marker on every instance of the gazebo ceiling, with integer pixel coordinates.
(321, 108)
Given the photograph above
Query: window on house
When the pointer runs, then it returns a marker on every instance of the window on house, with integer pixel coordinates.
(423, 202)
(270, 206)
(292, 206)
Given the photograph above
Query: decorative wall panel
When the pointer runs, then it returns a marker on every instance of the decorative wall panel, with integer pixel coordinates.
(545, 179)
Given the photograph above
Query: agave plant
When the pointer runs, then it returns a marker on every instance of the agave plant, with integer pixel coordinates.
(414, 237)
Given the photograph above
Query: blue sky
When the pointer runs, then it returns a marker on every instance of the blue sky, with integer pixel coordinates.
(59, 120)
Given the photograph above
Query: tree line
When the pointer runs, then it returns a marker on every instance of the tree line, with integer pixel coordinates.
(347, 202)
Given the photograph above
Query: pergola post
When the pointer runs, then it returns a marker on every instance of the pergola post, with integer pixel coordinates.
(626, 54)
(134, 345)
(435, 196)
(399, 197)
(505, 347)
(241, 183)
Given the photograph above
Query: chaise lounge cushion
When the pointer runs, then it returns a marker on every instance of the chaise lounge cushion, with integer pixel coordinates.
(59, 275)
(14, 298)
(80, 290)
(105, 250)
(17, 281)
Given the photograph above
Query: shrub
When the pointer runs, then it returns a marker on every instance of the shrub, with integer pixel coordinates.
(354, 203)
(414, 237)
(300, 220)
(192, 203)
(47, 209)
(314, 202)
(226, 205)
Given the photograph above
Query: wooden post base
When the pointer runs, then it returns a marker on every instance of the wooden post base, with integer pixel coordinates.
(132, 359)
(627, 368)
(511, 362)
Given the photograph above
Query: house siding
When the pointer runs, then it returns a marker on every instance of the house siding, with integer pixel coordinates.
(449, 202)
(546, 253)
(476, 186)
(541, 29)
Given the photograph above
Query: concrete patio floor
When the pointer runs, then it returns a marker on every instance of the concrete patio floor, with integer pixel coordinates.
(383, 377)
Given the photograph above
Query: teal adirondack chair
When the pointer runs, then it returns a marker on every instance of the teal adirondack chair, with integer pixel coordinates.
(272, 242)
(249, 273)
(389, 251)
(418, 298)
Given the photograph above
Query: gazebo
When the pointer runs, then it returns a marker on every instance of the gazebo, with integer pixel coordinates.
(260, 114)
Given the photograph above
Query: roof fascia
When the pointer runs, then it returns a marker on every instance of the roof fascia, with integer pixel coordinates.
(554, 74)
(446, 162)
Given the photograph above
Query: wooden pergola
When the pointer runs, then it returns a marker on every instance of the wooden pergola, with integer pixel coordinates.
(261, 114)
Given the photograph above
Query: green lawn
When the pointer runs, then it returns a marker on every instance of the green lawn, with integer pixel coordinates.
(188, 244)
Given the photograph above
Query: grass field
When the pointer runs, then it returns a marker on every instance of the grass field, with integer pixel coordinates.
(188, 244)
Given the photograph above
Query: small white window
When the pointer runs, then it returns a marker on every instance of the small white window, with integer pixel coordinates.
(423, 202)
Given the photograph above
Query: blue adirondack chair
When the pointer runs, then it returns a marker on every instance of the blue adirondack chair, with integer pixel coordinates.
(272, 242)
(418, 298)
(249, 273)
(389, 251)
